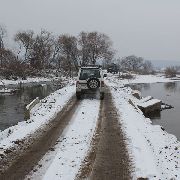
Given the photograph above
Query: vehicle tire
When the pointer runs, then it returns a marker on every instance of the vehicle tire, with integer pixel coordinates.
(102, 96)
(93, 83)
(78, 95)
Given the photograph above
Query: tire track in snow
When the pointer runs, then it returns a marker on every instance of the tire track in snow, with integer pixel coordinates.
(108, 157)
(71, 148)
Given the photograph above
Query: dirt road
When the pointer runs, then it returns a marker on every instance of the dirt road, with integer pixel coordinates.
(112, 161)
(41, 143)
(108, 157)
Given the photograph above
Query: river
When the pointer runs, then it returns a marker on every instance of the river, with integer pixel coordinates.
(12, 106)
(169, 93)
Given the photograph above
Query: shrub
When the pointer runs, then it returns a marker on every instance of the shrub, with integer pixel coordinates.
(170, 72)
(126, 76)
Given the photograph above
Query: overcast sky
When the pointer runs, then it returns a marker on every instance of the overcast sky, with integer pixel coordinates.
(147, 28)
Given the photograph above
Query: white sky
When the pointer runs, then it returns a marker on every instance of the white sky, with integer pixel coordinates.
(147, 28)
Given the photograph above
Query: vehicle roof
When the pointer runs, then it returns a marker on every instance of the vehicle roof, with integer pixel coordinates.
(90, 67)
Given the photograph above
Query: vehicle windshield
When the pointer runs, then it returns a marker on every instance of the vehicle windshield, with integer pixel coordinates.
(89, 73)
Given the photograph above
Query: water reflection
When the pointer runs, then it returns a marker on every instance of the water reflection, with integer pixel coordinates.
(140, 86)
(171, 86)
(169, 93)
(2, 99)
(12, 106)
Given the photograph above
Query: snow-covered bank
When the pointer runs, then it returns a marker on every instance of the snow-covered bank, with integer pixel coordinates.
(142, 79)
(41, 114)
(72, 147)
(155, 153)
(29, 80)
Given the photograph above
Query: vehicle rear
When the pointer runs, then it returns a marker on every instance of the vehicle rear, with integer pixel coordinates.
(90, 81)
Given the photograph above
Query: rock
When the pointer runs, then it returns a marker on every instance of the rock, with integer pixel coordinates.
(166, 106)
(136, 94)
(150, 106)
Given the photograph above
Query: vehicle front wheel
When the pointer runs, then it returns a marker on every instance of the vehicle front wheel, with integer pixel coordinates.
(101, 96)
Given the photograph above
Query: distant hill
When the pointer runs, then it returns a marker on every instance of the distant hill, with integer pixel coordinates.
(164, 63)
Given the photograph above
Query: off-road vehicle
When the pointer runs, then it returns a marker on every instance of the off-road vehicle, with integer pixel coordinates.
(113, 68)
(90, 80)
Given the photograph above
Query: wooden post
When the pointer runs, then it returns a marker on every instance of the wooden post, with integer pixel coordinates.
(29, 107)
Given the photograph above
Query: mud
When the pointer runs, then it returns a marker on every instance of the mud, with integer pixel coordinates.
(108, 158)
(19, 162)
(87, 164)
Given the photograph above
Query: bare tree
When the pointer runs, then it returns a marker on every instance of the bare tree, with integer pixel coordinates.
(84, 48)
(131, 63)
(95, 46)
(11, 65)
(69, 51)
(41, 50)
(3, 34)
(147, 67)
(25, 39)
(7, 57)
(8, 60)
(55, 53)
(170, 72)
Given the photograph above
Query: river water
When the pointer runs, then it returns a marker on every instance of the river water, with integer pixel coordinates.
(12, 106)
(169, 93)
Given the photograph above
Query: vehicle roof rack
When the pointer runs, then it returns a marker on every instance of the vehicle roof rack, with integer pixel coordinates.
(91, 66)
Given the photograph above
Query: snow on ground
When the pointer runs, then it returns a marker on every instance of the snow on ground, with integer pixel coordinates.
(148, 103)
(29, 80)
(155, 153)
(64, 162)
(142, 79)
(5, 90)
(40, 115)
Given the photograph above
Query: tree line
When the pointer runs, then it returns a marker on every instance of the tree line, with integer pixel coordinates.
(37, 52)
(43, 51)
(136, 64)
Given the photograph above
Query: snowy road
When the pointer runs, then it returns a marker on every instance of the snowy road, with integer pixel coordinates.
(62, 151)
(72, 157)
(72, 146)
(69, 137)
(112, 160)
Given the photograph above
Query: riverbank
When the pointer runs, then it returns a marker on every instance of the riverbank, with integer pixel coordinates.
(28, 80)
(142, 79)
(43, 112)
(14, 97)
(155, 153)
